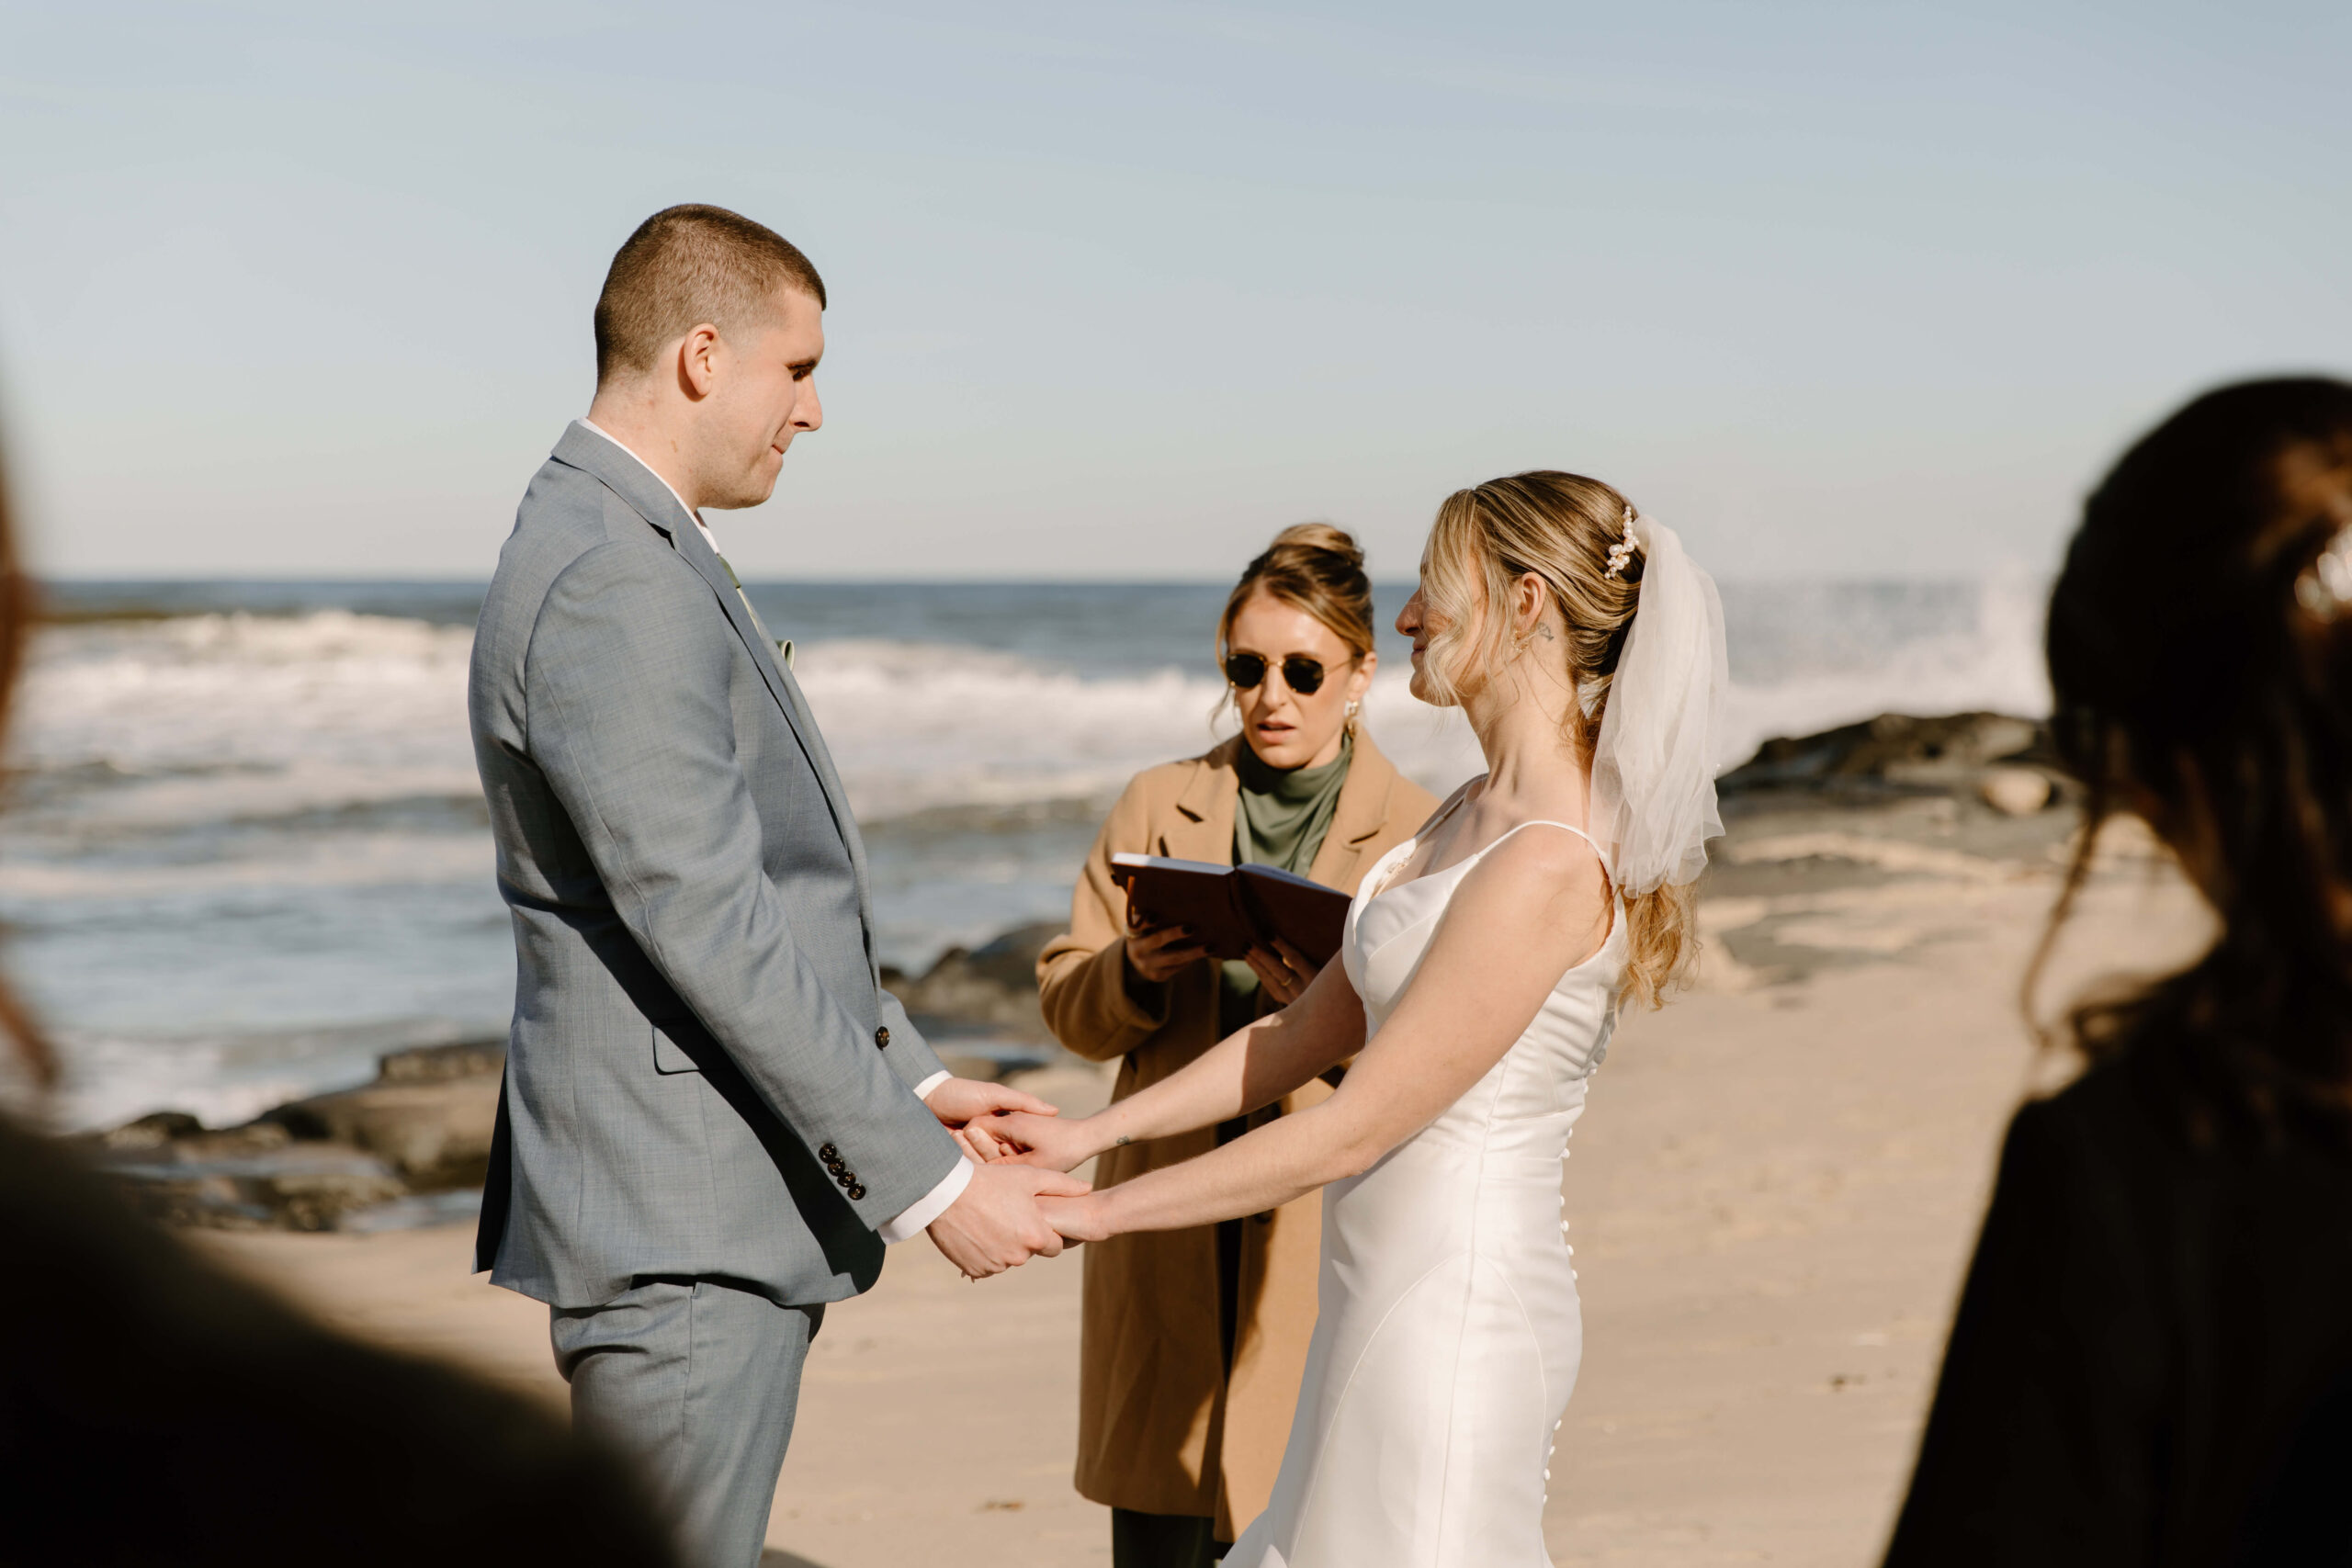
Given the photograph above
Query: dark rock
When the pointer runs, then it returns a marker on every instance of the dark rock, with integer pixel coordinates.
(1895, 753)
(176, 1135)
(435, 1133)
(422, 1127)
(990, 990)
(434, 1064)
(152, 1131)
(304, 1187)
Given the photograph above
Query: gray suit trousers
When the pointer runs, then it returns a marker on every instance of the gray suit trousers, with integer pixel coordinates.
(695, 1382)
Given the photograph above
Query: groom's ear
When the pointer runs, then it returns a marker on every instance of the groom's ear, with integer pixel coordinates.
(697, 356)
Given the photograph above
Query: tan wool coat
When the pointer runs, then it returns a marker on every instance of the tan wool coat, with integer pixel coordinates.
(1160, 1429)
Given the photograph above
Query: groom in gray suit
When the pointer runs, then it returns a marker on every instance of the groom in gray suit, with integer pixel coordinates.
(714, 1118)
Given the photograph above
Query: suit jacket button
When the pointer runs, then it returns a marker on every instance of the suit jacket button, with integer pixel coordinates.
(828, 1153)
(856, 1193)
(882, 1038)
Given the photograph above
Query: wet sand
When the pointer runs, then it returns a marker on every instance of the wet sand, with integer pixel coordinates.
(1772, 1196)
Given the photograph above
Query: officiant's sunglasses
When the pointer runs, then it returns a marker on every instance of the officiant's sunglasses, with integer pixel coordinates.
(1300, 673)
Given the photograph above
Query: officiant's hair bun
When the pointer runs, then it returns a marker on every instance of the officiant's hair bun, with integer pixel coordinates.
(1312, 567)
(686, 265)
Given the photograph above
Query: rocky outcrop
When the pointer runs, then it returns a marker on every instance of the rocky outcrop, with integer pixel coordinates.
(428, 1116)
(301, 1187)
(423, 1127)
(990, 990)
(1978, 755)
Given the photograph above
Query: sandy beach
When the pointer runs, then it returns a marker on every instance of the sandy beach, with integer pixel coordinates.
(1772, 1195)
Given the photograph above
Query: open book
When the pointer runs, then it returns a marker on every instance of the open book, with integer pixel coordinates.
(1233, 907)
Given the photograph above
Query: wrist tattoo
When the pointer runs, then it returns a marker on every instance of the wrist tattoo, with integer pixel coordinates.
(1123, 1141)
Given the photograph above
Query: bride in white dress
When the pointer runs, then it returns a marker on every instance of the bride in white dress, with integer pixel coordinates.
(1484, 963)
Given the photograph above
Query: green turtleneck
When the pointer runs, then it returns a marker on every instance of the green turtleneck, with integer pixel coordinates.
(1279, 821)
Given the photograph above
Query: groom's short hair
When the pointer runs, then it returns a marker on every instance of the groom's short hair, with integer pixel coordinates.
(689, 264)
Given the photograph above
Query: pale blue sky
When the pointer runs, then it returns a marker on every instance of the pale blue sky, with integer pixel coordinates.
(1854, 290)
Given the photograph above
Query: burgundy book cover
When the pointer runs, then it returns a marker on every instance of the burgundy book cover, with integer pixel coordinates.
(1232, 906)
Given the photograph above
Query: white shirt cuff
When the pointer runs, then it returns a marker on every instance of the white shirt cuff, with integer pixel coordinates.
(922, 1089)
(913, 1222)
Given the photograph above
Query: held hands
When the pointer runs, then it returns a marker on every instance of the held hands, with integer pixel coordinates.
(996, 1223)
(1017, 1137)
(960, 1102)
(1056, 1145)
(1078, 1219)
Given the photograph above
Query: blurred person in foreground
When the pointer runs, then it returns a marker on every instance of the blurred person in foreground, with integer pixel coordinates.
(154, 1410)
(2151, 1362)
(713, 1119)
(1194, 1340)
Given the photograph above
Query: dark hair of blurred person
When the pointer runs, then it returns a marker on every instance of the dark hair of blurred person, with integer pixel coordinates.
(155, 1411)
(2152, 1358)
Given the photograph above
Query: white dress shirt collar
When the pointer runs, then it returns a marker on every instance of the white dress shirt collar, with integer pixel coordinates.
(589, 425)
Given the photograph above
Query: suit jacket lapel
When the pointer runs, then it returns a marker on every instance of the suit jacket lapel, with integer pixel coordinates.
(630, 479)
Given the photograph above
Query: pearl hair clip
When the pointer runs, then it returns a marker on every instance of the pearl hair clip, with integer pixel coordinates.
(2325, 587)
(1622, 555)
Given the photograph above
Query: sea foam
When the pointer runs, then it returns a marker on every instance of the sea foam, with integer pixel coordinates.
(247, 851)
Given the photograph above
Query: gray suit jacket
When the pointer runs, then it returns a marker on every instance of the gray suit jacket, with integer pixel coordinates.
(704, 1076)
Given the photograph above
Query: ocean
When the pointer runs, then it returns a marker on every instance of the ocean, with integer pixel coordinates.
(245, 853)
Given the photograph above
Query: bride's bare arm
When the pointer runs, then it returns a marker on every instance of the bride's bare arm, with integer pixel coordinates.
(1250, 1068)
(1535, 907)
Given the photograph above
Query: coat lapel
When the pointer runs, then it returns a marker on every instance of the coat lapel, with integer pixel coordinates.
(625, 476)
(1359, 817)
(1203, 827)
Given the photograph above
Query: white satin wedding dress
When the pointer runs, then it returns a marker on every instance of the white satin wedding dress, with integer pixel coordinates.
(1448, 1332)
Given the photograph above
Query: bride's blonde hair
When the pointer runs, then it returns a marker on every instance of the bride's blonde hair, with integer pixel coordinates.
(1560, 528)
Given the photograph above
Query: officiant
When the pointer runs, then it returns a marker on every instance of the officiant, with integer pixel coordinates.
(1193, 1341)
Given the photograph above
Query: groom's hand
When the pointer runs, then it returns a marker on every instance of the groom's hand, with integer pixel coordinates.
(959, 1102)
(995, 1225)
(1051, 1144)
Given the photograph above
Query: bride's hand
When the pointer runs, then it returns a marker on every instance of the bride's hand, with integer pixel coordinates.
(1055, 1142)
(1283, 971)
(1078, 1219)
